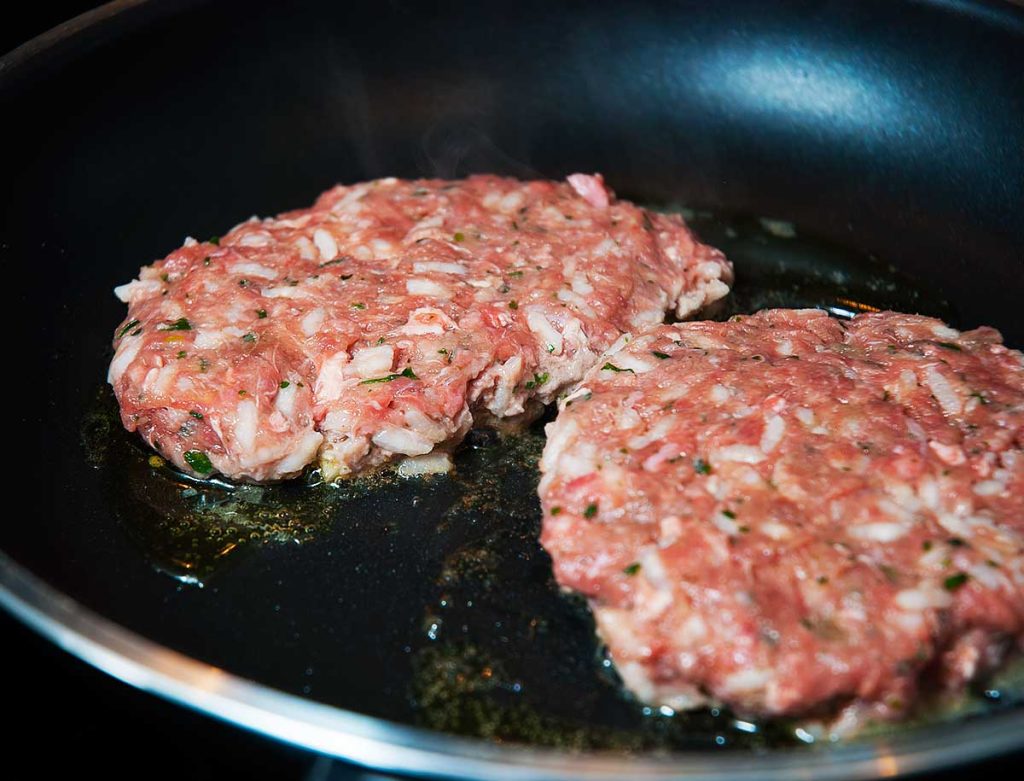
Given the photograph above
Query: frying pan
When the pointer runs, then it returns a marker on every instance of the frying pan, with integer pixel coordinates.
(413, 626)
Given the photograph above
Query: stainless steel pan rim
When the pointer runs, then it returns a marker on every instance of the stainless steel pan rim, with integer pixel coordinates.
(387, 746)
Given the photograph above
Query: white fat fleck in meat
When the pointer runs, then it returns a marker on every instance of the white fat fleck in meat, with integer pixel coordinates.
(507, 376)
(618, 344)
(434, 463)
(578, 301)
(579, 393)
(777, 531)
(951, 454)
(307, 250)
(943, 390)
(626, 361)
(325, 244)
(989, 488)
(402, 440)
(284, 401)
(725, 524)
(744, 454)
(331, 378)
(427, 320)
(127, 350)
(924, 597)
(151, 384)
(881, 531)
(718, 393)
(382, 248)
(254, 270)
(425, 267)
(207, 339)
(669, 529)
(301, 453)
(581, 285)
(605, 248)
(312, 321)
(656, 432)
(774, 429)
(285, 291)
(665, 453)
(747, 681)
(424, 424)
(550, 336)
(246, 426)
(591, 188)
(138, 289)
(420, 286)
(373, 361)
(804, 415)
(255, 239)
(945, 332)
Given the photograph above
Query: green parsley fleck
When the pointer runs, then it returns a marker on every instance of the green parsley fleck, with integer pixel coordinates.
(611, 367)
(590, 510)
(199, 461)
(701, 467)
(954, 582)
(165, 277)
(182, 353)
(126, 328)
(537, 381)
(556, 510)
(181, 324)
(261, 313)
(729, 514)
(196, 414)
(359, 305)
(890, 572)
(459, 236)
(550, 348)
(249, 337)
(980, 397)
(659, 356)
(513, 304)
(243, 283)
(214, 240)
(283, 384)
(951, 346)
(406, 372)
(515, 273)
(926, 545)
(632, 569)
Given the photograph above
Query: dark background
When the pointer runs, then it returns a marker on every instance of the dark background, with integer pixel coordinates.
(68, 716)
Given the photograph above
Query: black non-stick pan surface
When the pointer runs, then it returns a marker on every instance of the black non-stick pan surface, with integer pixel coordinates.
(846, 155)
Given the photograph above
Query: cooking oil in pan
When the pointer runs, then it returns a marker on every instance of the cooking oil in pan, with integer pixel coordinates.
(498, 651)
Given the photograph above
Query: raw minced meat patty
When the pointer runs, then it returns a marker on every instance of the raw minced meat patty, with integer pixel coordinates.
(376, 323)
(786, 512)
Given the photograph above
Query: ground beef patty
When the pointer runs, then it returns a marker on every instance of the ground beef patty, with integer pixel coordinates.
(787, 512)
(375, 324)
